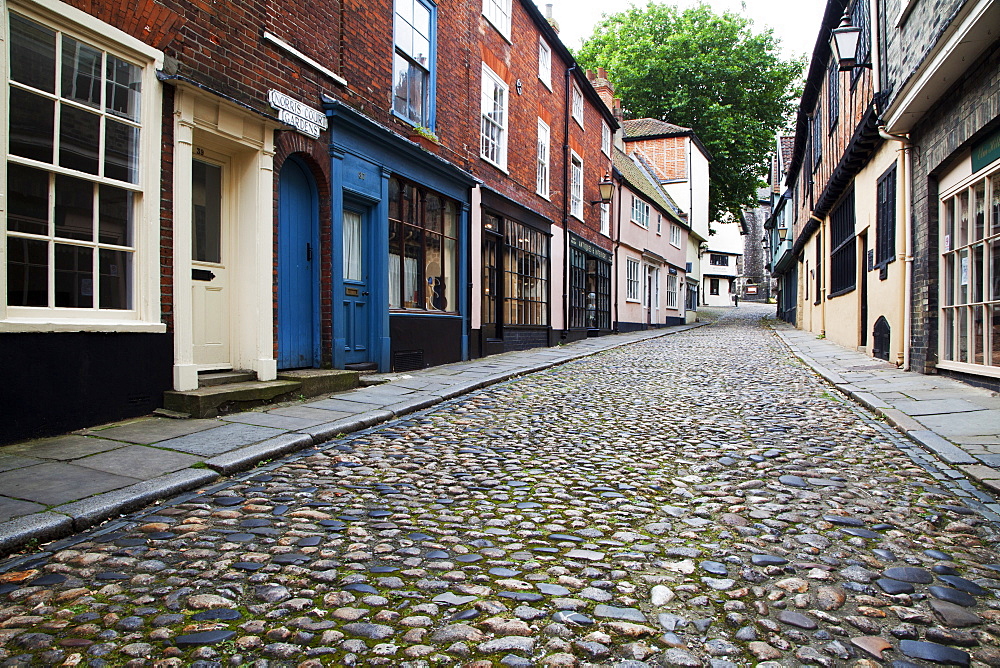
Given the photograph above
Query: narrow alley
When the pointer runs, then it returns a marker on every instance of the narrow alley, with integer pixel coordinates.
(701, 499)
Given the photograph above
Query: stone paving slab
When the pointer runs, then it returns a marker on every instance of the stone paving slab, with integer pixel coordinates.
(100, 486)
(950, 419)
(153, 430)
(54, 483)
(139, 461)
(63, 448)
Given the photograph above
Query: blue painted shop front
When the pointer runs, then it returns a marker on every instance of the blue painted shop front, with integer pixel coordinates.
(400, 249)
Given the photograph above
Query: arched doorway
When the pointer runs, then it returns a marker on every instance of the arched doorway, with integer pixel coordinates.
(298, 267)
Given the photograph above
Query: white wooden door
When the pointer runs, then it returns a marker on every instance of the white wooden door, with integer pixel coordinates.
(210, 244)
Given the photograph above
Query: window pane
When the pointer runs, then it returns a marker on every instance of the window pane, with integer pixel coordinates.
(995, 204)
(74, 215)
(979, 192)
(963, 277)
(421, 19)
(206, 228)
(395, 264)
(74, 276)
(27, 200)
(32, 54)
(81, 72)
(448, 276)
(963, 219)
(404, 37)
(121, 151)
(32, 119)
(995, 269)
(978, 277)
(116, 279)
(995, 336)
(79, 137)
(433, 218)
(405, 9)
(434, 273)
(352, 246)
(412, 255)
(123, 88)
(948, 346)
(27, 272)
(963, 334)
(977, 335)
(949, 280)
(115, 208)
(450, 217)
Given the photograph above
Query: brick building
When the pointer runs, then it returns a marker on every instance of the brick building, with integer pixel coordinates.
(197, 186)
(894, 183)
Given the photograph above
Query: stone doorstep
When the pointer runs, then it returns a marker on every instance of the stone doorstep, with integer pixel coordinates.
(224, 378)
(322, 381)
(205, 401)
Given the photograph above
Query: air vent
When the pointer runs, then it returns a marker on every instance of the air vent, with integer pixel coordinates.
(408, 360)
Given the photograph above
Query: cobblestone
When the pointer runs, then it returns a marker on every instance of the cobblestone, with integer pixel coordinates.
(695, 500)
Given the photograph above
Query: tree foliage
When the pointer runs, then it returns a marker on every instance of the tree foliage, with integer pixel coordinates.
(704, 71)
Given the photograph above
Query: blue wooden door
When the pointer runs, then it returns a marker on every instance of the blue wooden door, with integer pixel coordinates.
(356, 288)
(298, 225)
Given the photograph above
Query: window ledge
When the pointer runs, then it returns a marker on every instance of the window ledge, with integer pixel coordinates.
(840, 293)
(69, 325)
(502, 168)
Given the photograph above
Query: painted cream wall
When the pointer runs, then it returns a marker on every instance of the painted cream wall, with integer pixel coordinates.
(557, 250)
(885, 298)
(629, 311)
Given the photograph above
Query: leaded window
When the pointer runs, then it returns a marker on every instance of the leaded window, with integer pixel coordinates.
(860, 19)
(590, 291)
(526, 275)
(423, 262)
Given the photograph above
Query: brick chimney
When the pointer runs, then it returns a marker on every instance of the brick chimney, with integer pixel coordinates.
(605, 90)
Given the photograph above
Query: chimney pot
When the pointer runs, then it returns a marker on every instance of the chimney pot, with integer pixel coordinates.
(602, 73)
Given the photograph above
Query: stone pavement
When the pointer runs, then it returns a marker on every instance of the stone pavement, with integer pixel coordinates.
(954, 420)
(700, 500)
(55, 486)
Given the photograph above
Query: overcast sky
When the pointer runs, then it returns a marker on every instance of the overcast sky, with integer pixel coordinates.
(795, 22)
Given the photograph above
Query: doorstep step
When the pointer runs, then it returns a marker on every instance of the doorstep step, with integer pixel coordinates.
(221, 399)
(224, 378)
(321, 381)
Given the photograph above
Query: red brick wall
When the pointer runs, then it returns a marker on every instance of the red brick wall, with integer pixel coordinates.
(668, 156)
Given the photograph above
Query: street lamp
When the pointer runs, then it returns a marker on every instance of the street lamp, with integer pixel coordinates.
(607, 189)
(782, 233)
(844, 41)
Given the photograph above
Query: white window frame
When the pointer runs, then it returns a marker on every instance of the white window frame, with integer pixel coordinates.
(497, 12)
(542, 160)
(577, 105)
(545, 62)
(606, 219)
(633, 286)
(576, 185)
(144, 314)
(605, 139)
(675, 235)
(640, 212)
(670, 296)
(493, 149)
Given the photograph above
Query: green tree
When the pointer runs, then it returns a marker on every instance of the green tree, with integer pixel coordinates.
(704, 71)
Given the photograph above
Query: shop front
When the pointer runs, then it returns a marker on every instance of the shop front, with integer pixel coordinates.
(589, 288)
(399, 261)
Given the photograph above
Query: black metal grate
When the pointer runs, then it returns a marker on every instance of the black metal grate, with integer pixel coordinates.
(408, 360)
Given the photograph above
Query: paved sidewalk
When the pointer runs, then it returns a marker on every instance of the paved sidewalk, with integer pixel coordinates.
(956, 421)
(56, 486)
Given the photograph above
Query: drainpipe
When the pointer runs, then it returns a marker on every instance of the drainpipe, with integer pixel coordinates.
(907, 297)
(566, 198)
(616, 265)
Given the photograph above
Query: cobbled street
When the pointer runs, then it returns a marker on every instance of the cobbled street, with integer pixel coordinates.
(699, 499)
